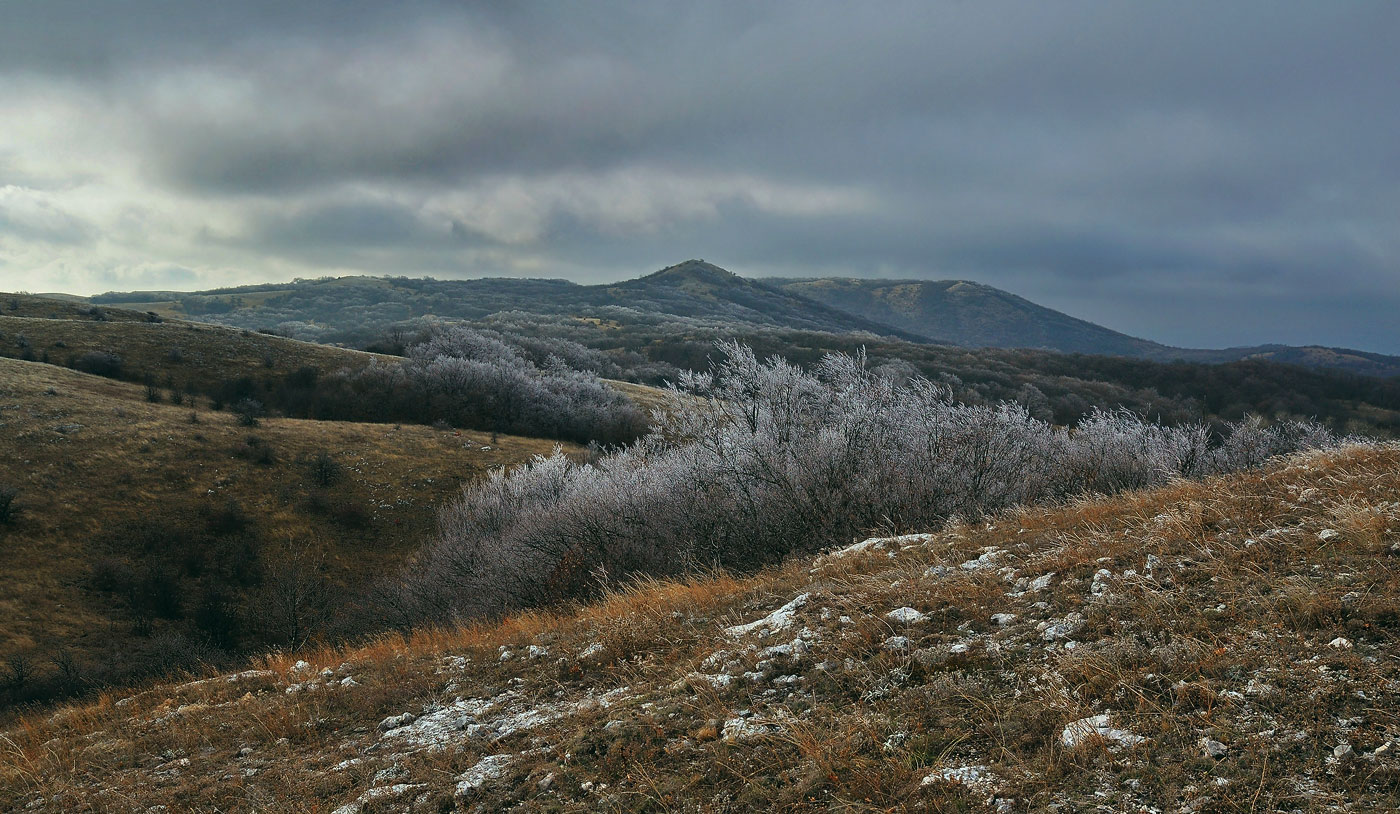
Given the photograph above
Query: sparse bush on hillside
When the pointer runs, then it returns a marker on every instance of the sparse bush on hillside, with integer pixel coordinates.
(756, 460)
(99, 363)
(8, 509)
(324, 469)
(249, 412)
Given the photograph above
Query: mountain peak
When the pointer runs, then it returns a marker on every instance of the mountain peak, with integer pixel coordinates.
(692, 271)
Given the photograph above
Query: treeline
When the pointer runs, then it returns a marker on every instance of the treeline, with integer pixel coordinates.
(485, 381)
(454, 375)
(757, 460)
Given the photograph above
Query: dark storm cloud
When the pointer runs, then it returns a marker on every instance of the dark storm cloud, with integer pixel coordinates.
(1124, 162)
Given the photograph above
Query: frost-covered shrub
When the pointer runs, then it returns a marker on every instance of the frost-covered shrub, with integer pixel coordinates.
(755, 460)
(477, 379)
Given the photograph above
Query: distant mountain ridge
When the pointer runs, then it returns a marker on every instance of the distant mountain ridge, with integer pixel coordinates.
(952, 312)
(960, 312)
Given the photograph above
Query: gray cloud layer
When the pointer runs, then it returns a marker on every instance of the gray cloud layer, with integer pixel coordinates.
(1195, 174)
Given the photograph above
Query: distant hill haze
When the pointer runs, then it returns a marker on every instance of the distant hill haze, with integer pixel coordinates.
(951, 312)
(960, 312)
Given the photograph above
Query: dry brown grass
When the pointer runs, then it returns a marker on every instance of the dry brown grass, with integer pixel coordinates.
(186, 353)
(1225, 636)
(94, 461)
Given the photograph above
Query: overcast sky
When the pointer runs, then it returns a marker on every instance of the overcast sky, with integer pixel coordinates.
(1202, 174)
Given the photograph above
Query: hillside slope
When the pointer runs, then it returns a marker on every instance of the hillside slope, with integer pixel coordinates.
(174, 353)
(964, 313)
(122, 501)
(337, 306)
(1219, 646)
(960, 312)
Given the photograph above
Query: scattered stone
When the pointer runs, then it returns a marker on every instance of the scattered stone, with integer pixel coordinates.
(1097, 726)
(987, 559)
(1042, 582)
(896, 643)
(1328, 534)
(1214, 748)
(745, 728)
(394, 792)
(396, 721)
(780, 619)
(1071, 624)
(484, 771)
(1003, 619)
(1343, 753)
(1259, 689)
(1340, 643)
(962, 776)
(906, 616)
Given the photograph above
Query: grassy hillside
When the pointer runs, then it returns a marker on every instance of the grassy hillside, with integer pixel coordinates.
(187, 355)
(1229, 645)
(121, 499)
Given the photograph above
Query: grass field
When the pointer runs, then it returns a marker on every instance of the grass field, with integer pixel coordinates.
(186, 355)
(105, 475)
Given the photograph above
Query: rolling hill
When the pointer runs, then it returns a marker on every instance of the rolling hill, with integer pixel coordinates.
(144, 530)
(1227, 645)
(954, 312)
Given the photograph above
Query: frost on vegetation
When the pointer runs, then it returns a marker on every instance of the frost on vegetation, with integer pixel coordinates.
(780, 619)
(776, 447)
(1097, 726)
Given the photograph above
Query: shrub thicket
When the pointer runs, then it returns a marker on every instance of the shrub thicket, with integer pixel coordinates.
(758, 460)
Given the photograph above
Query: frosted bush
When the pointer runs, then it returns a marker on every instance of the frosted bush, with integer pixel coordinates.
(754, 460)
